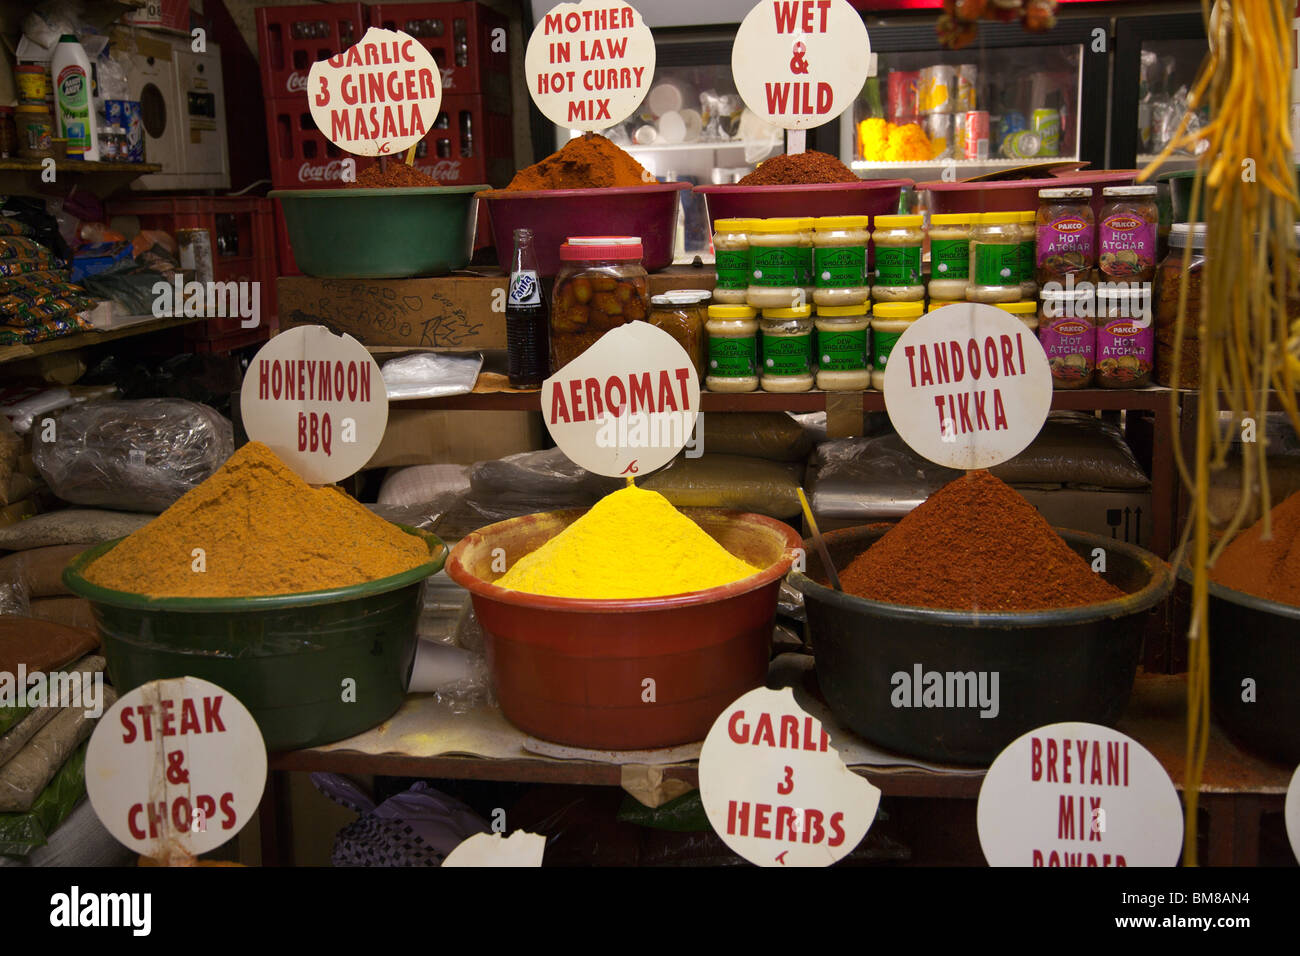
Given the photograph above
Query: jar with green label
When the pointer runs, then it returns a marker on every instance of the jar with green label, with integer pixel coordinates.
(731, 257)
(995, 258)
(949, 255)
(897, 242)
(1028, 224)
(840, 260)
(843, 347)
(780, 263)
(889, 320)
(787, 349)
(732, 332)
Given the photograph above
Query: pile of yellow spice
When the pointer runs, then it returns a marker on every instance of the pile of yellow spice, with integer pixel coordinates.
(255, 528)
(631, 544)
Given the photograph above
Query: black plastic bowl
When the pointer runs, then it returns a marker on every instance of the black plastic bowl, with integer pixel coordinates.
(1252, 637)
(1057, 665)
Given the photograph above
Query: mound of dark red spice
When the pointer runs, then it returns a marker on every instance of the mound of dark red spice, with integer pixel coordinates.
(800, 169)
(397, 175)
(975, 544)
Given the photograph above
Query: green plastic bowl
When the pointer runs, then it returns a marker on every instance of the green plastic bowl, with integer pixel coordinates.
(380, 233)
(285, 656)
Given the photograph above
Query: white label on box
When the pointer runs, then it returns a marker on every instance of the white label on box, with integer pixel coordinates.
(775, 790)
(317, 400)
(801, 63)
(1078, 794)
(627, 405)
(968, 386)
(378, 97)
(176, 765)
(589, 65)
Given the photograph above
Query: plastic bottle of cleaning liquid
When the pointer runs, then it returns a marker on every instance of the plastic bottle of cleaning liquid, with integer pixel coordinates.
(70, 71)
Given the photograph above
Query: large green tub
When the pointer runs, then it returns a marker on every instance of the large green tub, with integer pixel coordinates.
(286, 657)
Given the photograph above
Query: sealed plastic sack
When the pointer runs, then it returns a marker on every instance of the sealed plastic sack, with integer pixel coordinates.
(534, 481)
(729, 481)
(871, 479)
(776, 436)
(1076, 449)
(133, 455)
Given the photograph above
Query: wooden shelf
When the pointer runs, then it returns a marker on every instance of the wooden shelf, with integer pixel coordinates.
(14, 353)
(22, 176)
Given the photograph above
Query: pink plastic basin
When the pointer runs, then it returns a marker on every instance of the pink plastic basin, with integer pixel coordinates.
(868, 197)
(572, 671)
(554, 215)
(1021, 194)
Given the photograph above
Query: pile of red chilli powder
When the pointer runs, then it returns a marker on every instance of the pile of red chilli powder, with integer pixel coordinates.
(975, 544)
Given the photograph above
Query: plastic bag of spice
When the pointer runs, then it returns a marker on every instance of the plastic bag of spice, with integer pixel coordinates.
(133, 455)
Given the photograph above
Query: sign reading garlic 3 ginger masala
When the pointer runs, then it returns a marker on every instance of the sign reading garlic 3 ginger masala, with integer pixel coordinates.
(379, 96)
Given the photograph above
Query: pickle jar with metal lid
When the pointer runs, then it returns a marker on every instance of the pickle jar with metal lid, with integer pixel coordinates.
(682, 314)
(840, 260)
(787, 349)
(1068, 333)
(780, 263)
(1126, 338)
(1127, 233)
(732, 348)
(896, 243)
(949, 256)
(844, 347)
(995, 259)
(601, 285)
(1067, 237)
(731, 260)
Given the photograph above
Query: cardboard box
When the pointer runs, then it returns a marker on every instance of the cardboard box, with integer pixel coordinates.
(456, 313)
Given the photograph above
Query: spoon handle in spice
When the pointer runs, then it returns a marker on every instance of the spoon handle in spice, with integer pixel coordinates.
(817, 540)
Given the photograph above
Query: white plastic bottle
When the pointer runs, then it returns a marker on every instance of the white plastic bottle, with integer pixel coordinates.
(70, 71)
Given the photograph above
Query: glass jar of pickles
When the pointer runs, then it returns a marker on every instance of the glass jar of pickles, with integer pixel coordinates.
(1068, 333)
(897, 242)
(995, 259)
(786, 346)
(843, 347)
(681, 313)
(889, 320)
(1126, 339)
(731, 260)
(1127, 233)
(601, 285)
(732, 348)
(780, 263)
(840, 260)
(949, 256)
(1067, 237)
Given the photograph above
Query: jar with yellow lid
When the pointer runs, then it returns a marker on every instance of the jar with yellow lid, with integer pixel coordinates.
(1026, 312)
(950, 255)
(786, 346)
(840, 260)
(780, 263)
(731, 260)
(843, 347)
(1027, 221)
(889, 320)
(995, 258)
(897, 241)
(940, 303)
(733, 349)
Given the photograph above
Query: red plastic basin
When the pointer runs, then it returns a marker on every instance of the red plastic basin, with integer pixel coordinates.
(648, 211)
(1020, 195)
(570, 670)
(868, 197)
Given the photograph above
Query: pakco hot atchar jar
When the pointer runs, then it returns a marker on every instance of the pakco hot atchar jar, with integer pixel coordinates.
(780, 263)
(840, 260)
(897, 242)
(1068, 333)
(1067, 237)
(733, 349)
(1127, 233)
(601, 285)
(949, 255)
(787, 351)
(1126, 337)
(843, 347)
(731, 260)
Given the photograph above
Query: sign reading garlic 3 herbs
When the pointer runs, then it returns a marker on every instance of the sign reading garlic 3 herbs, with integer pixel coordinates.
(589, 65)
(317, 400)
(801, 63)
(377, 97)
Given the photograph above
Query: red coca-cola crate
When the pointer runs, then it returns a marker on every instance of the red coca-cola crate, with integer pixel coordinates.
(241, 233)
(464, 41)
(291, 39)
(302, 157)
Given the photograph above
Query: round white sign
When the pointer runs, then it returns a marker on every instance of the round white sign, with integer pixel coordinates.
(801, 63)
(1291, 813)
(317, 400)
(176, 765)
(1078, 794)
(968, 386)
(775, 790)
(589, 65)
(627, 405)
(378, 97)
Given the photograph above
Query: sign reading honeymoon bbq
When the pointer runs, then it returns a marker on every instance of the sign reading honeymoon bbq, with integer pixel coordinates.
(801, 63)
(1078, 794)
(379, 96)
(589, 65)
(176, 767)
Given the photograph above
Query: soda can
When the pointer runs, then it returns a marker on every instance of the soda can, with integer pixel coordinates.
(937, 89)
(973, 135)
(901, 101)
(967, 79)
(1047, 124)
(939, 128)
(1022, 145)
